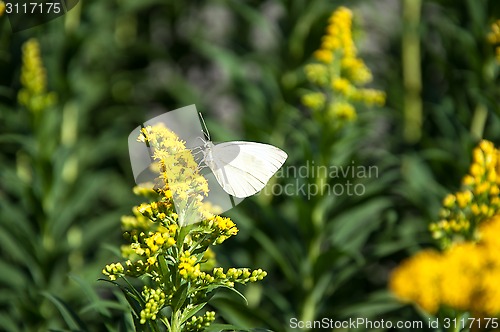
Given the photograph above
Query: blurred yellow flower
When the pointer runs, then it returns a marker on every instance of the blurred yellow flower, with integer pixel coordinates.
(477, 201)
(314, 100)
(342, 86)
(317, 73)
(417, 280)
(2, 7)
(34, 95)
(494, 38)
(324, 56)
(463, 277)
(339, 72)
(342, 110)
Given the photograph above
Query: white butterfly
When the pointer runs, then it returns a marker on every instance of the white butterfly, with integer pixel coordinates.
(243, 168)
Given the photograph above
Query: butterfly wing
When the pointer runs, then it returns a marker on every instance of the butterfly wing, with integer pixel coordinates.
(244, 168)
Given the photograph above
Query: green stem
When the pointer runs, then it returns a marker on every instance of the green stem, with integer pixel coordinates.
(478, 121)
(175, 325)
(411, 71)
(167, 324)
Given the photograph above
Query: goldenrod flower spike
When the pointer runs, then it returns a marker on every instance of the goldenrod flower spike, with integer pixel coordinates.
(339, 73)
(34, 95)
(477, 201)
(177, 167)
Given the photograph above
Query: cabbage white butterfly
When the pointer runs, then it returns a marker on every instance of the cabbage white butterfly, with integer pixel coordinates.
(242, 168)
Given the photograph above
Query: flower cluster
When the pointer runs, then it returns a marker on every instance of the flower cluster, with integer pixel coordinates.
(145, 247)
(155, 300)
(198, 323)
(464, 275)
(221, 229)
(175, 256)
(189, 268)
(478, 199)
(494, 38)
(34, 95)
(339, 72)
(177, 167)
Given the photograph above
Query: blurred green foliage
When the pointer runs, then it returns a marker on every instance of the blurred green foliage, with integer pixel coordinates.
(65, 178)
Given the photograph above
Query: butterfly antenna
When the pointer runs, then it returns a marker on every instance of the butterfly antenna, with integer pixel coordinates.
(207, 134)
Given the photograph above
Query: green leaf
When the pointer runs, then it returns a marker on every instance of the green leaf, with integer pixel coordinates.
(8, 324)
(180, 297)
(69, 316)
(375, 305)
(11, 276)
(95, 301)
(133, 297)
(278, 255)
(186, 314)
(352, 228)
(232, 289)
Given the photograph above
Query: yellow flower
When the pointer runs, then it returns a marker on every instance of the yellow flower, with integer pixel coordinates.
(477, 201)
(113, 270)
(464, 198)
(370, 97)
(314, 100)
(494, 38)
(342, 110)
(463, 277)
(466, 276)
(317, 73)
(324, 56)
(342, 85)
(172, 256)
(189, 269)
(449, 200)
(460, 265)
(356, 70)
(340, 73)
(34, 95)
(178, 168)
(417, 280)
(2, 7)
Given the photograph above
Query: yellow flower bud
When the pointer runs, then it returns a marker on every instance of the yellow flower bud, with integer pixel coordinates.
(449, 201)
(324, 56)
